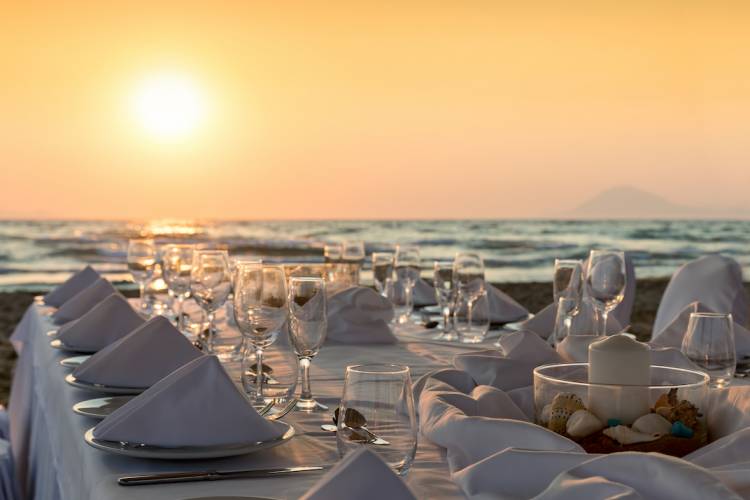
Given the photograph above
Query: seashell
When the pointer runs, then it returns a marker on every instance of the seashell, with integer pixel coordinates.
(563, 406)
(667, 399)
(546, 411)
(583, 423)
(685, 412)
(652, 423)
(625, 435)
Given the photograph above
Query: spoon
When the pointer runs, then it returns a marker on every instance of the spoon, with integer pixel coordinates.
(355, 425)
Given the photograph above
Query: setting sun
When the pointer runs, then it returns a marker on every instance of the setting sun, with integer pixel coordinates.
(168, 106)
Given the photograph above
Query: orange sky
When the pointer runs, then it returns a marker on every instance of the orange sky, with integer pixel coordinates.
(374, 109)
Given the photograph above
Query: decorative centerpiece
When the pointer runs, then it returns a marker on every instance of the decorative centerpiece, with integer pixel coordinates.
(620, 402)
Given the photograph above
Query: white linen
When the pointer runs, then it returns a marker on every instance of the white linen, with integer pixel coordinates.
(503, 308)
(195, 405)
(73, 285)
(714, 281)
(8, 485)
(362, 475)
(360, 315)
(84, 301)
(140, 359)
(673, 333)
(108, 321)
(543, 322)
(422, 295)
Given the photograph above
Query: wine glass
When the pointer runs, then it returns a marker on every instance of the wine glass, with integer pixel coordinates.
(260, 310)
(445, 294)
(141, 263)
(709, 343)
(177, 262)
(471, 318)
(353, 255)
(468, 273)
(332, 253)
(407, 265)
(210, 284)
(605, 283)
(382, 270)
(567, 308)
(378, 405)
(308, 323)
(568, 279)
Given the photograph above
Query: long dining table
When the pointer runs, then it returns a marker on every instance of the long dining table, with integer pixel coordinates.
(54, 462)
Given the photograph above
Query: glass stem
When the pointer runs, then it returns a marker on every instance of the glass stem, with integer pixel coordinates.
(142, 288)
(259, 374)
(568, 324)
(306, 392)
(446, 319)
(605, 313)
(409, 292)
(211, 332)
(180, 308)
(470, 313)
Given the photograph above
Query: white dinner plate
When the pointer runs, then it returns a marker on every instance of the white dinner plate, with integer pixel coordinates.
(80, 384)
(186, 452)
(59, 344)
(100, 408)
(75, 361)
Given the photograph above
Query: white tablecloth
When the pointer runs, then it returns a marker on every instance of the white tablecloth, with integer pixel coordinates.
(54, 462)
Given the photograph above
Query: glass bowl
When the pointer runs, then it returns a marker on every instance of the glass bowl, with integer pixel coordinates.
(624, 417)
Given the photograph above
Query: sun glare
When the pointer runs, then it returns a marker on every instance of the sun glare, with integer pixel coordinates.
(169, 106)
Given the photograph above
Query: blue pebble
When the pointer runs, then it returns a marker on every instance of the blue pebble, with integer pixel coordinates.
(681, 430)
(613, 422)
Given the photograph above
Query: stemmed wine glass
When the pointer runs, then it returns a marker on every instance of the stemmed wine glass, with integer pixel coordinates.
(445, 293)
(382, 270)
(177, 262)
(407, 263)
(210, 284)
(141, 263)
(605, 283)
(468, 274)
(567, 283)
(308, 323)
(260, 310)
(353, 254)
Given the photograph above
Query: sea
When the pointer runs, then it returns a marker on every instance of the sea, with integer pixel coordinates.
(35, 255)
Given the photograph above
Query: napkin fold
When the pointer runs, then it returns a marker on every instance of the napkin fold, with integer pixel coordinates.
(108, 321)
(141, 358)
(359, 315)
(195, 405)
(84, 301)
(503, 308)
(673, 333)
(422, 295)
(362, 475)
(714, 281)
(70, 287)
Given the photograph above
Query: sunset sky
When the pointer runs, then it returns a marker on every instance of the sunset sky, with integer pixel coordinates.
(245, 110)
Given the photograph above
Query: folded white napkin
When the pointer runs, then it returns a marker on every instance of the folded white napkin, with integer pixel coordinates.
(672, 334)
(76, 283)
(543, 322)
(510, 366)
(360, 315)
(195, 405)
(362, 475)
(714, 281)
(422, 295)
(140, 359)
(84, 301)
(108, 321)
(503, 309)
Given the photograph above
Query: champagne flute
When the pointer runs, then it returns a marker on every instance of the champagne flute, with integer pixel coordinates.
(445, 293)
(210, 284)
(382, 270)
(141, 263)
(605, 283)
(308, 323)
(468, 273)
(407, 263)
(177, 262)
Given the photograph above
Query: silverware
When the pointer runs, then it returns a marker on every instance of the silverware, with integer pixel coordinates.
(211, 475)
(289, 407)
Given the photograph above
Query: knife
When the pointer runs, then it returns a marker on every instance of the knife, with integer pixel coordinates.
(211, 475)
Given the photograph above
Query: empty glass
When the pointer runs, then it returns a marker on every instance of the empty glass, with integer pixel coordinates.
(260, 310)
(568, 279)
(141, 262)
(567, 309)
(471, 318)
(177, 262)
(333, 252)
(353, 254)
(378, 404)
(468, 274)
(382, 270)
(445, 294)
(605, 283)
(210, 284)
(709, 343)
(407, 264)
(308, 323)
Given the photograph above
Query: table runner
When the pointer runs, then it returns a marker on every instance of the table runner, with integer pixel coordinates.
(54, 462)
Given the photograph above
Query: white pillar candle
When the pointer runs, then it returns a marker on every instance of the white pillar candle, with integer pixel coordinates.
(624, 365)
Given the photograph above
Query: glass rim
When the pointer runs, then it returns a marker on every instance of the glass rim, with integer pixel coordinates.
(142, 240)
(379, 369)
(210, 251)
(389, 254)
(699, 314)
(555, 380)
(568, 261)
(306, 279)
